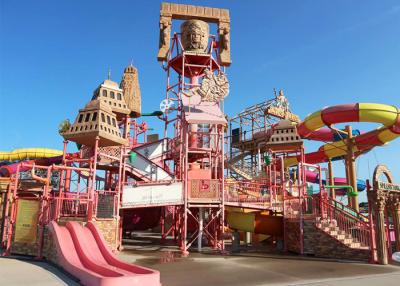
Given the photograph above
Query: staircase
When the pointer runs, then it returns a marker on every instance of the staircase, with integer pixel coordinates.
(330, 227)
(239, 170)
(336, 231)
(148, 164)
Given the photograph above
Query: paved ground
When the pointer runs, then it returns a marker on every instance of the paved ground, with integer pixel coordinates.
(29, 272)
(211, 269)
(250, 269)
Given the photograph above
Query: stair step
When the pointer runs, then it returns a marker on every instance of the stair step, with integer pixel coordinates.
(338, 236)
(348, 241)
(330, 229)
(353, 245)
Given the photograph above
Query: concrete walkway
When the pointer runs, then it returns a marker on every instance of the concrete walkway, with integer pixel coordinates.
(247, 269)
(29, 272)
(208, 269)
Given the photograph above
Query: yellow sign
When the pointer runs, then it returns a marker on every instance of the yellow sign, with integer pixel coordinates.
(27, 220)
(282, 113)
(388, 186)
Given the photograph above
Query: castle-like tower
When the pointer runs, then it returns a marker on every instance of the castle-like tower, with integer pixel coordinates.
(130, 86)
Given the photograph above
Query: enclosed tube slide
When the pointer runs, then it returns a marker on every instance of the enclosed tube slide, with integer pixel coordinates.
(313, 177)
(83, 252)
(29, 153)
(8, 170)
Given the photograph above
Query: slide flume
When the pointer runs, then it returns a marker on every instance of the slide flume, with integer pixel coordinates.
(29, 153)
(83, 252)
(312, 128)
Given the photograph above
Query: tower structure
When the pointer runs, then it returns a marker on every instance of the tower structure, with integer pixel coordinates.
(196, 87)
(131, 89)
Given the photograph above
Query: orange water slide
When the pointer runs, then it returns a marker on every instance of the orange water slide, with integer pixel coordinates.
(255, 222)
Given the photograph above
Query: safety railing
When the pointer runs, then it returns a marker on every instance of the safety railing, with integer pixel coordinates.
(296, 207)
(252, 192)
(105, 204)
(69, 205)
(354, 225)
(347, 209)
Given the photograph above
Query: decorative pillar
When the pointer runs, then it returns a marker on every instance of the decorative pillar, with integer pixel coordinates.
(395, 201)
(379, 202)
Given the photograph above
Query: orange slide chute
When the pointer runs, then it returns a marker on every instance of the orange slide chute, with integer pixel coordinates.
(255, 222)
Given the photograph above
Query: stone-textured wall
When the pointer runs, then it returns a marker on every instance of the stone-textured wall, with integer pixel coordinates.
(321, 244)
(25, 248)
(292, 235)
(110, 230)
(318, 243)
(49, 247)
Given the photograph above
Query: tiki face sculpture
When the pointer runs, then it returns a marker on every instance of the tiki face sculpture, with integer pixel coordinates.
(195, 35)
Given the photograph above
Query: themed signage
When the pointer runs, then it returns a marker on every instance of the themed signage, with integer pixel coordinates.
(280, 109)
(152, 195)
(282, 113)
(27, 220)
(382, 170)
(388, 186)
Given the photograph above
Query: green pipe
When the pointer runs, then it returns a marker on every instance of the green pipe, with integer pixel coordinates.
(154, 113)
(350, 193)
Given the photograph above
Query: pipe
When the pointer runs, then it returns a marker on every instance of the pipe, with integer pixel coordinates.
(37, 178)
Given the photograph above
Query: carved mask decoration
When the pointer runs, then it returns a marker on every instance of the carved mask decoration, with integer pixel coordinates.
(195, 35)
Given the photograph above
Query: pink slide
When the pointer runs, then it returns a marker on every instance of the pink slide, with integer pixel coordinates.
(83, 252)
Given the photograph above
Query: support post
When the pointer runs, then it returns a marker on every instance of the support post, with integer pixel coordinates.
(331, 179)
(351, 165)
(93, 181)
(200, 237)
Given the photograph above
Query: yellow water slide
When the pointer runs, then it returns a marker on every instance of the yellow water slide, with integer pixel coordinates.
(29, 153)
(257, 222)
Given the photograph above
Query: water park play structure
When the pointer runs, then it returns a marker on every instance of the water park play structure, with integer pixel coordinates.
(208, 176)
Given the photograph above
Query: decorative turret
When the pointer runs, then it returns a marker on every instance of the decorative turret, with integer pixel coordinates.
(110, 93)
(284, 135)
(96, 119)
(131, 89)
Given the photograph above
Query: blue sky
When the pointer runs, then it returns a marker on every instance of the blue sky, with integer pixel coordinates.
(53, 54)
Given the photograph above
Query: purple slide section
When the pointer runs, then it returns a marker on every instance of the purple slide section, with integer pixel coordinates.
(313, 177)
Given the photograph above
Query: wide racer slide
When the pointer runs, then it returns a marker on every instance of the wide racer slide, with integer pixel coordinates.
(83, 252)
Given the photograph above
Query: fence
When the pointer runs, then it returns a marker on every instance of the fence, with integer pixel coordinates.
(347, 220)
(104, 205)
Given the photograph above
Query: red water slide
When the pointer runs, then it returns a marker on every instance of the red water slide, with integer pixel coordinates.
(83, 252)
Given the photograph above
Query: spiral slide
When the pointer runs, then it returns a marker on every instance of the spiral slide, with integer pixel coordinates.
(312, 128)
(82, 251)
